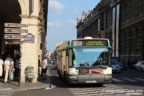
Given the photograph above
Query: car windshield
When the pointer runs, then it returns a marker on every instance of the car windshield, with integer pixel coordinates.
(115, 62)
(89, 57)
(140, 63)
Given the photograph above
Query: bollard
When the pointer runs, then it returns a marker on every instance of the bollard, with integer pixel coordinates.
(29, 73)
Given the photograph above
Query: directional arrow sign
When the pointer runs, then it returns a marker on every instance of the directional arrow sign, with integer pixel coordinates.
(15, 30)
(13, 42)
(15, 25)
(13, 36)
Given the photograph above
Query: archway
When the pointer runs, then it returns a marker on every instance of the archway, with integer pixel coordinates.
(10, 12)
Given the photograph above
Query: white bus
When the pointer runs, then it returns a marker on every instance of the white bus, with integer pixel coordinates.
(85, 61)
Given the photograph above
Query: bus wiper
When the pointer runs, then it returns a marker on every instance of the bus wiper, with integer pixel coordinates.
(84, 65)
(99, 66)
(102, 66)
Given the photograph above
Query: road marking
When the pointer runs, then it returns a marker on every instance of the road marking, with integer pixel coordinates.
(140, 79)
(116, 80)
(88, 90)
(6, 93)
(80, 93)
(129, 79)
(105, 91)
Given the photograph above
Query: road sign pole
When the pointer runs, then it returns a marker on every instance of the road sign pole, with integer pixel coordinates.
(19, 82)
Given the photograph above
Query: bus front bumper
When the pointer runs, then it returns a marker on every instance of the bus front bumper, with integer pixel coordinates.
(76, 79)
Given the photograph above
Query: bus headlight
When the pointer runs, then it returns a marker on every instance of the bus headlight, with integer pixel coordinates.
(73, 71)
(108, 70)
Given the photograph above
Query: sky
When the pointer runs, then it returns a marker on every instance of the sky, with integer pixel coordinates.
(62, 19)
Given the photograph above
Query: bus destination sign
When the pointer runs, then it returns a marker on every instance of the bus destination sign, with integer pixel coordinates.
(89, 43)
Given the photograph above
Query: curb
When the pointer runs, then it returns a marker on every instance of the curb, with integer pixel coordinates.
(24, 89)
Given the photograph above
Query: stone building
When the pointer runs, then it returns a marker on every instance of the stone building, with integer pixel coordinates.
(131, 31)
(33, 14)
(122, 22)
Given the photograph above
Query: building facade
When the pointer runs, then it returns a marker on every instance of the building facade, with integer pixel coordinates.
(122, 22)
(32, 13)
(131, 31)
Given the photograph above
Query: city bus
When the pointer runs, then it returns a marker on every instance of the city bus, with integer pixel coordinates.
(85, 60)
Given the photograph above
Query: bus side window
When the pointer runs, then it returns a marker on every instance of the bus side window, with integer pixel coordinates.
(73, 55)
(70, 58)
(67, 52)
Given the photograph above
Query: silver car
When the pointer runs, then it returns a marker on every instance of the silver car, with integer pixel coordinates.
(115, 66)
(139, 66)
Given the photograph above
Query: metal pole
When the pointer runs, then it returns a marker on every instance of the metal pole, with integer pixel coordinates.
(19, 83)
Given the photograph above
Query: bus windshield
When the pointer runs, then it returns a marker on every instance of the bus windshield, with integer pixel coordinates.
(90, 57)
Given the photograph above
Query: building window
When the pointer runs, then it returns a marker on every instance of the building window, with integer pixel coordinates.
(31, 6)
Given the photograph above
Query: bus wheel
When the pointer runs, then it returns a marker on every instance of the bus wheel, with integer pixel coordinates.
(100, 84)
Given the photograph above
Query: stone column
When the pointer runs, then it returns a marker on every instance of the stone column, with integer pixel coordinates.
(30, 50)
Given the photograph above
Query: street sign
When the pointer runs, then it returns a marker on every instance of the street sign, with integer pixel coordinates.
(15, 25)
(15, 30)
(13, 42)
(30, 38)
(13, 36)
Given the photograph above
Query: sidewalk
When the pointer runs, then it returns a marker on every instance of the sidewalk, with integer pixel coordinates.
(13, 85)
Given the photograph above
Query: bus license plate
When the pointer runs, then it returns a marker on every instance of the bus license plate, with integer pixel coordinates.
(94, 81)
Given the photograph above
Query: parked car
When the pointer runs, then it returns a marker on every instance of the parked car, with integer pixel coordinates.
(115, 66)
(119, 63)
(139, 66)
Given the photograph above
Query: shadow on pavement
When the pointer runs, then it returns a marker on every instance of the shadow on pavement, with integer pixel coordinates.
(130, 75)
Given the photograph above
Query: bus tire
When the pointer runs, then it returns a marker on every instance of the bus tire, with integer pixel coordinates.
(100, 84)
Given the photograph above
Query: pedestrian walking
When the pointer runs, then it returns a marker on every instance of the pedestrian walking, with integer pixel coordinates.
(44, 67)
(8, 68)
(39, 66)
(1, 66)
(17, 63)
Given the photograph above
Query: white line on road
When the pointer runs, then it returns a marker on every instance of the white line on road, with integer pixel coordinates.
(140, 79)
(80, 93)
(116, 80)
(5, 95)
(129, 79)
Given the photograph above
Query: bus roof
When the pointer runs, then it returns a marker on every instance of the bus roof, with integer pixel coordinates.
(90, 39)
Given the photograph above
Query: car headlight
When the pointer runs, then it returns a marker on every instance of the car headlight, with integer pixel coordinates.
(73, 71)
